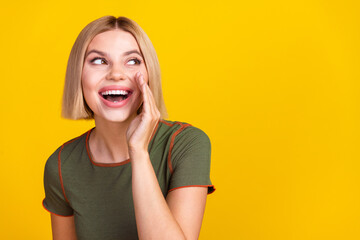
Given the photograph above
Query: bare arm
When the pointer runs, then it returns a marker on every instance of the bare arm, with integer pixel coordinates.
(63, 228)
(187, 206)
(177, 217)
(180, 215)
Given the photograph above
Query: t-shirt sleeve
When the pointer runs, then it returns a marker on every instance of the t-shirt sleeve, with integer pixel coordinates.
(54, 201)
(190, 158)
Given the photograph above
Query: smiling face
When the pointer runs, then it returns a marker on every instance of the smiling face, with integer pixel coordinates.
(112, 60)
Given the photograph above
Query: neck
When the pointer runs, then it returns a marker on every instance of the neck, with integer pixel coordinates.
(108, 143)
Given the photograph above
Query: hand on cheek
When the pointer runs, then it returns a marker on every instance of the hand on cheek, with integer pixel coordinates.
(141, 128)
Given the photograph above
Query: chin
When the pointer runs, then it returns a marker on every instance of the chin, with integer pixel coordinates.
(116, 116)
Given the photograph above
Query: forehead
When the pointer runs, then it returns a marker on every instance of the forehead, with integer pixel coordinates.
(113, 40)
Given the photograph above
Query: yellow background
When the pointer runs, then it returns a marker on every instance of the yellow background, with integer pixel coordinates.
(275, 85)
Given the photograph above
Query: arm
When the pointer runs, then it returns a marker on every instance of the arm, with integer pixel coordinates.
(180, 215)
(188, 206)
(177, 217)
(62, 219)
(63, 228)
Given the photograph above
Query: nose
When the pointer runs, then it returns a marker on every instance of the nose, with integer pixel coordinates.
(115, 73)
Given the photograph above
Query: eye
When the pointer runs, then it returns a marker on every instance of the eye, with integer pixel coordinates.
(98, 61)
(134, 61)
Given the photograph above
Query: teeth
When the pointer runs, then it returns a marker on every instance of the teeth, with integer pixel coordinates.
(115, 92)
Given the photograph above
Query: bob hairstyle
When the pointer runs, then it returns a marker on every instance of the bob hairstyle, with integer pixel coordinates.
(74, 105)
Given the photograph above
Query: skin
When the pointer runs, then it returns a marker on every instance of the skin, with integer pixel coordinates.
(121, 134)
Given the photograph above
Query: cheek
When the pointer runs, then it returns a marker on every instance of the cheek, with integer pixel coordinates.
(87, 85)
(88, 79)
(85, 77)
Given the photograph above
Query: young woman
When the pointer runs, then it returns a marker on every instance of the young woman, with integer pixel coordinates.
(134, 175)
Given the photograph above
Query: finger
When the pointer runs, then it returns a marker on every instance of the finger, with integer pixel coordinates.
(153, 105)
(140, 84)
(154, 112)
(139, 80)
(149, 104)
(145, 95)
(151, 101)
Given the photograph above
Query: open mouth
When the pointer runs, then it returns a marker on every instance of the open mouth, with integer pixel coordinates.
(115, 96)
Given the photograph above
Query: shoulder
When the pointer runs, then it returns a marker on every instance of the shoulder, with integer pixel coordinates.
(64, 151)
(182, 129)
(182, 136)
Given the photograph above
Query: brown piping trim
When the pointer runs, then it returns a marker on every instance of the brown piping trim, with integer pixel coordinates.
(60, 176)
(54, 213)
(183, 126)
(74, 139)
(59, 166)
(101, 164)
(208, 186)
(169, 124)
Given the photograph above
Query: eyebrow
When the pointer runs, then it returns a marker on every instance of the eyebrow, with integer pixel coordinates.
(104, 54)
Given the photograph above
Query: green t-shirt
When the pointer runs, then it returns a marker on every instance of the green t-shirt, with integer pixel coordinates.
(99, 196)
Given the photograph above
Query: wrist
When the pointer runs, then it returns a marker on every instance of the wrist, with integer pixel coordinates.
(138, 154)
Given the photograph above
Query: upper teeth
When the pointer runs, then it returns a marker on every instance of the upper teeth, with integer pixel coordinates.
(115, 92)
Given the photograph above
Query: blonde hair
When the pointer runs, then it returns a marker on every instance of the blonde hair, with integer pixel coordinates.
(74, 105)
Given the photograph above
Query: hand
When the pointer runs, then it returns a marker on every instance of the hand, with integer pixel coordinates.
(142, 126)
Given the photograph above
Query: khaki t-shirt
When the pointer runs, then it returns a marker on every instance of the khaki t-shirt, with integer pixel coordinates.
(99, 196)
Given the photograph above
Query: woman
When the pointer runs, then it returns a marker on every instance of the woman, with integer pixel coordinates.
(135, 175)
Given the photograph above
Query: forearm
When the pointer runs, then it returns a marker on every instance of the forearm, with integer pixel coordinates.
(153, 217)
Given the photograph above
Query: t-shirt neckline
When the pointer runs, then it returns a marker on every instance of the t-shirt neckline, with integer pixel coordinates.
(112, 164)
(101, 164)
